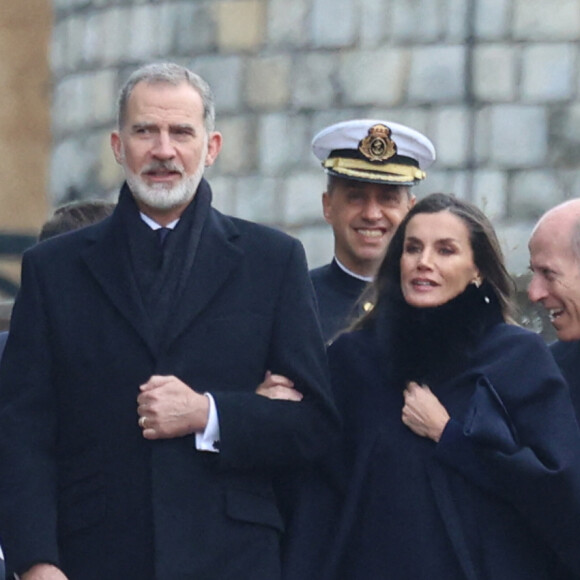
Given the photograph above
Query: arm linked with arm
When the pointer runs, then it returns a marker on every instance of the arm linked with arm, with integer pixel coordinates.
(258, 431)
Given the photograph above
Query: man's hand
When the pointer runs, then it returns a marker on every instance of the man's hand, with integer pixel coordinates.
(169, 408)
(43, 572)
(278, 387)
(422, 412)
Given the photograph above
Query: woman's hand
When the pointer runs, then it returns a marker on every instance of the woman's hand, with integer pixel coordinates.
(422, 411)
(278, 387)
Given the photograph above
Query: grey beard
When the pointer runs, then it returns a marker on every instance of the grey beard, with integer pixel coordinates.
(161, 197)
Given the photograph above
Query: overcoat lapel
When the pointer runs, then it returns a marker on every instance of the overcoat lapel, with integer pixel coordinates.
(108, 260)
(216, 258)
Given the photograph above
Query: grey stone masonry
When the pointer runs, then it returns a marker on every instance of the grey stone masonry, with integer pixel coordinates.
(494, 84)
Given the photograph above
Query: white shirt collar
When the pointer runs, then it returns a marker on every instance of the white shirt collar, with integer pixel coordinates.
(351, 273)
(154, 225)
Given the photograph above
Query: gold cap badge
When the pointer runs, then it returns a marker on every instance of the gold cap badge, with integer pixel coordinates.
(378, 145)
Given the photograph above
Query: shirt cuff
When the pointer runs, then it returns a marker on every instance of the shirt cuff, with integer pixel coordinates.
(209, 440)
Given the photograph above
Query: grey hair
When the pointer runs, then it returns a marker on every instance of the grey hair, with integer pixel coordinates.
(173, 74)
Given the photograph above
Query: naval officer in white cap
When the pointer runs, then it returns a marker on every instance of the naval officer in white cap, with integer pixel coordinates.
(371, 167)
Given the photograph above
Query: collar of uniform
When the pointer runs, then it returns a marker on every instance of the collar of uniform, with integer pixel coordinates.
(351, 273)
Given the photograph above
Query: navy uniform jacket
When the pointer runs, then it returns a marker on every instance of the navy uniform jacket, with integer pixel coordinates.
(337, 293)
(3, 339)
(87, 491)
(567, 355)
(498, 498)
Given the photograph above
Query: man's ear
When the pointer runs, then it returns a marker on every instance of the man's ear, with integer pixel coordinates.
(326, 207)
(117, 147)
(214, 146)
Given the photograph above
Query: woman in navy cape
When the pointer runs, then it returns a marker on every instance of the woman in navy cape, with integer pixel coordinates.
(461, 450)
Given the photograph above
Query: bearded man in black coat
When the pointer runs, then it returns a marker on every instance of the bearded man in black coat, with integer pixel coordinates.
(129, 422)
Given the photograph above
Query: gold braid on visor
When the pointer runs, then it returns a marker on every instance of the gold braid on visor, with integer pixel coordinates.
(393, 172)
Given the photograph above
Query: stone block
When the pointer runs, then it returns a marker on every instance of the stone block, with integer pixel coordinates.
(61, 6)
(437, 74)
(333, 23)
(57, 49)
(73, 161)
(546, 20)
(76, 4)
(570, 180)
(455, 182)
(302, 197)
(141, 47)
(456, 20)
(373, 77)
(533, 192)
(84, 100)
(564, 131)
(114, 24)
(99, 3)
(513, 136)
(322, 119)
(267, 82)
(74, 37)
(548, 72)
(101, 106)
(195, 28)
(168, 20)
(495, 77)
(452, 134)
(240, 25)
(287, 23)
(238, 155)
(419, 21)
(224, 190)
(417, 118)
(224, 75)
(284, 144)
(313, 83)
(374, 24)
(513, 238)
(69, 98)
(490, 193)
(91, 40)
(492, 19)
(257, 199)
(318, 243)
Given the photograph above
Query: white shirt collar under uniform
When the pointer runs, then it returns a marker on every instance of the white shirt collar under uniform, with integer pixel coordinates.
(351, 273)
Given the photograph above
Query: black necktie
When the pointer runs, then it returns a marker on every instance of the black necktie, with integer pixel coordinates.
(162, 235)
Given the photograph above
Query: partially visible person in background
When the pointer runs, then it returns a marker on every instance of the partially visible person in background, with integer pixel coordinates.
(68, 217)
(74, 215)
(371, 167)
(555, 264)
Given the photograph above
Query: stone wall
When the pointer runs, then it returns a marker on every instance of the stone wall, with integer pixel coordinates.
(24, 130)
(494, 83)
